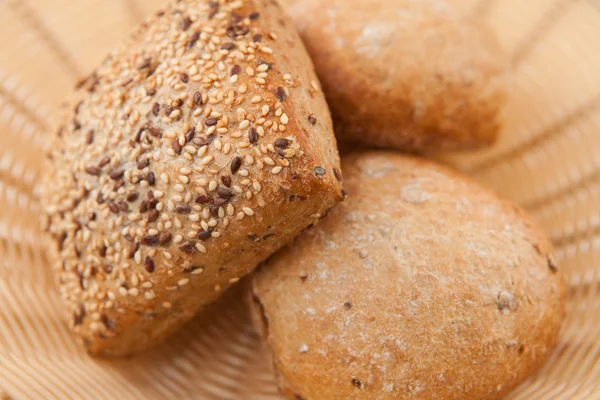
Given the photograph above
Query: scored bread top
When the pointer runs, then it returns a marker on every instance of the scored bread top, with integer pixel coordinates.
(192, 153)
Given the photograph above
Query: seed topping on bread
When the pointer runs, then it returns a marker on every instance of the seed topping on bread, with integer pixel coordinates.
(167, 153)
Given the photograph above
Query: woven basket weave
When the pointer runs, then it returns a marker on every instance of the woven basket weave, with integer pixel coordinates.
(548, 160)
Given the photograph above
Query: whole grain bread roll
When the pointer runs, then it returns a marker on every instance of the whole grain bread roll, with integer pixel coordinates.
(191, 154)
(411, 74)
(421, 285)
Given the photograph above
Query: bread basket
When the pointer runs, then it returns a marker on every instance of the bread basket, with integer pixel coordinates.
(547, 160)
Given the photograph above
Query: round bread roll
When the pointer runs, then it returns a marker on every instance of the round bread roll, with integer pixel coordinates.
(191, 154)
(410, 74)
(421, 285)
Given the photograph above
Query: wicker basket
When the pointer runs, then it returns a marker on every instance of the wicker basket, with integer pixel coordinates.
(548, 160)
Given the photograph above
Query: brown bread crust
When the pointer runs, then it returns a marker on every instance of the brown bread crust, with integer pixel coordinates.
(191, 154)
(408, 74)
(421, 285)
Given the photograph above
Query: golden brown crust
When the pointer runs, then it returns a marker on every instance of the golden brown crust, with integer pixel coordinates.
(409, 74)
(195, 151)
(422, 284)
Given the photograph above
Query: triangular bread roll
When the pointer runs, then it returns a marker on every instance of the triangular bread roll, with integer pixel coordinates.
(193, 152)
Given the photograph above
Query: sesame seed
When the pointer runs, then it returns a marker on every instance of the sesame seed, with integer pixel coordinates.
(201, 248)
(177, 222)
(183, 282)
(276, 170)
(256, 99)
(197, 271)
(138, 257)
(248, 211)
(207, 160)
(269, 161)
(237, 189)
(164, 178)
(202, 151)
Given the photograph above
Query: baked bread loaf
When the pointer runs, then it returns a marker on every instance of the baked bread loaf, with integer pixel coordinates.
(421, 285)
(411, 74)
(191, 154)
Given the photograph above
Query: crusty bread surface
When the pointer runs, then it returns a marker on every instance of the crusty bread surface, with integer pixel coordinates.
(421, 285)
(415, 75)
(196, 150)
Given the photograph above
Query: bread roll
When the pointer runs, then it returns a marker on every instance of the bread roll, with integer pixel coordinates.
(409, 74)
(192, 153)
(421, 285)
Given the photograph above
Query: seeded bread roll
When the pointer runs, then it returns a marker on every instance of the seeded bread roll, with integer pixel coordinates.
(409, 74)
(194, 152)
(421, 285)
